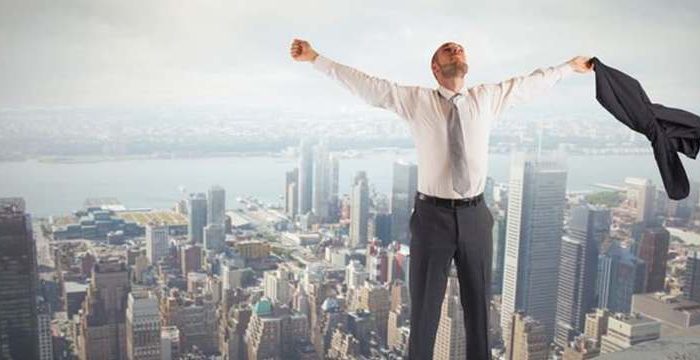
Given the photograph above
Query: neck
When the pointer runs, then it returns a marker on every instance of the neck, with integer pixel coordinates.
(455, 84)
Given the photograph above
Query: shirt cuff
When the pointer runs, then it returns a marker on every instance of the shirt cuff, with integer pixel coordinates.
(322, 63)
(565, 69)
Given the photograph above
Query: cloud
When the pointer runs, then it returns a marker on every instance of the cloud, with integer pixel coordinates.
(92, 53)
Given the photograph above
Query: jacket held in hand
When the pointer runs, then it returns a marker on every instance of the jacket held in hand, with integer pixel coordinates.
(669, 130)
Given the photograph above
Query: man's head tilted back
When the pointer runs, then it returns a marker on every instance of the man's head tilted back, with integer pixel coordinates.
(449, 61)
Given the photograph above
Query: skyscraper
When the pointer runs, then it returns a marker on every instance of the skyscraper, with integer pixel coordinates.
(533, 238)
(19, 328)
(197, 213)
(691, 279)
(215, 231)
(578, 269)
(216, 205)
(157, 238)
(102, 330)
(499, 244)
(359, 210)
(322, 181)
(641, 195)
(335, 179)
(143, 327)
(620, 274)
(291, 191)
(527, 339)
(214, 237)
(403, 192)
(305, 185)
(450, 339)
(653, 249)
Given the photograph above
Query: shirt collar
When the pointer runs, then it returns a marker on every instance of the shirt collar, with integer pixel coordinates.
(447, 93)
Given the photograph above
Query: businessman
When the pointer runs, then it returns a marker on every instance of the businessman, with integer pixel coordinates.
(450, 126)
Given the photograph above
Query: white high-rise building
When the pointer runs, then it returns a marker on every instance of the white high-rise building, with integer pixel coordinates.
(641, 193)
(143, 327)
(355, 274)
(536, 202)
(277, 285)
(322, 181)
(157, 241)
(403, 191)
(305, 184)
(216, 205)
(359, 218)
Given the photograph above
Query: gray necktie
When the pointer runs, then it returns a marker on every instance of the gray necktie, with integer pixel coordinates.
(455, 141)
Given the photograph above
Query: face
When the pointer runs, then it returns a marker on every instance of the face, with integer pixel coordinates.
(449, 61)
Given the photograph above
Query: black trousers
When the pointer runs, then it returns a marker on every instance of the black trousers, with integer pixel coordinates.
(438, 235)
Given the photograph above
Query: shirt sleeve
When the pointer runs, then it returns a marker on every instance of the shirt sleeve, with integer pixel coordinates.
(521, 89)
(375, 91)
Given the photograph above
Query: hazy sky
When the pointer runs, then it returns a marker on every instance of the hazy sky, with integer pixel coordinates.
(95, 53)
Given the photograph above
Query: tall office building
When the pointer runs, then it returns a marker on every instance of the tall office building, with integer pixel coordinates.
(305, 184)
(276, 285)
(45, 338)
(488, 191)
(197, 214)
(190, 259)
(588, 227)
(450, 339)
(652, 247)
(143, 327)
(498, 234)
(597, 324)
(359, 210)
(691, 278)
(335, 180)
(322, 181)
(291, 193)
(620, 274)
(215, 237)
(403, 193)
(102, 330)
(527, 339)
(536, 202)
(19, 327)
(216, 205)
(641, 194)
(157, 242)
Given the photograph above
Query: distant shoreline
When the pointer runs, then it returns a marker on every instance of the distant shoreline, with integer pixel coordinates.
(84, 159)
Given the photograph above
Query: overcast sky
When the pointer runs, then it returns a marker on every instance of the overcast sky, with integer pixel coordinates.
(96, 53)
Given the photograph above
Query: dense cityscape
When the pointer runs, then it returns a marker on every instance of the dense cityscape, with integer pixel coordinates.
(324, 276)
(239, 180)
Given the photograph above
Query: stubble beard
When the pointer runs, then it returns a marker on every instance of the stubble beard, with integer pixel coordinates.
(454, 69)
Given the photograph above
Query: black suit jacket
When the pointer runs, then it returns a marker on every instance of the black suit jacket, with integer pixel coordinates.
(669, 130)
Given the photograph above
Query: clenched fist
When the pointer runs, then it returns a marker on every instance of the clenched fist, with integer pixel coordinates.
(581, 64)
(301, 51)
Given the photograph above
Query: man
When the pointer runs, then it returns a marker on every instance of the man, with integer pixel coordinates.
(450, 128)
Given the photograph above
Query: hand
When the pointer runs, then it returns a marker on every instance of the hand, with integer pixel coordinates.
(581, 64)
(302, 51)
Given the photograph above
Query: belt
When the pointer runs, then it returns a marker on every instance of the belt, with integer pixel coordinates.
(450, 203)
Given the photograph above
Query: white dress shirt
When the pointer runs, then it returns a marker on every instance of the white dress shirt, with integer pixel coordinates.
(426, 115)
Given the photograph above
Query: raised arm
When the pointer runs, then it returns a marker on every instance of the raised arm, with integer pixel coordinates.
(521, 89)
(373, 90)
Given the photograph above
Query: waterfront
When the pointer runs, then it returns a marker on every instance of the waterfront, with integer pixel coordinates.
(58, 188)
